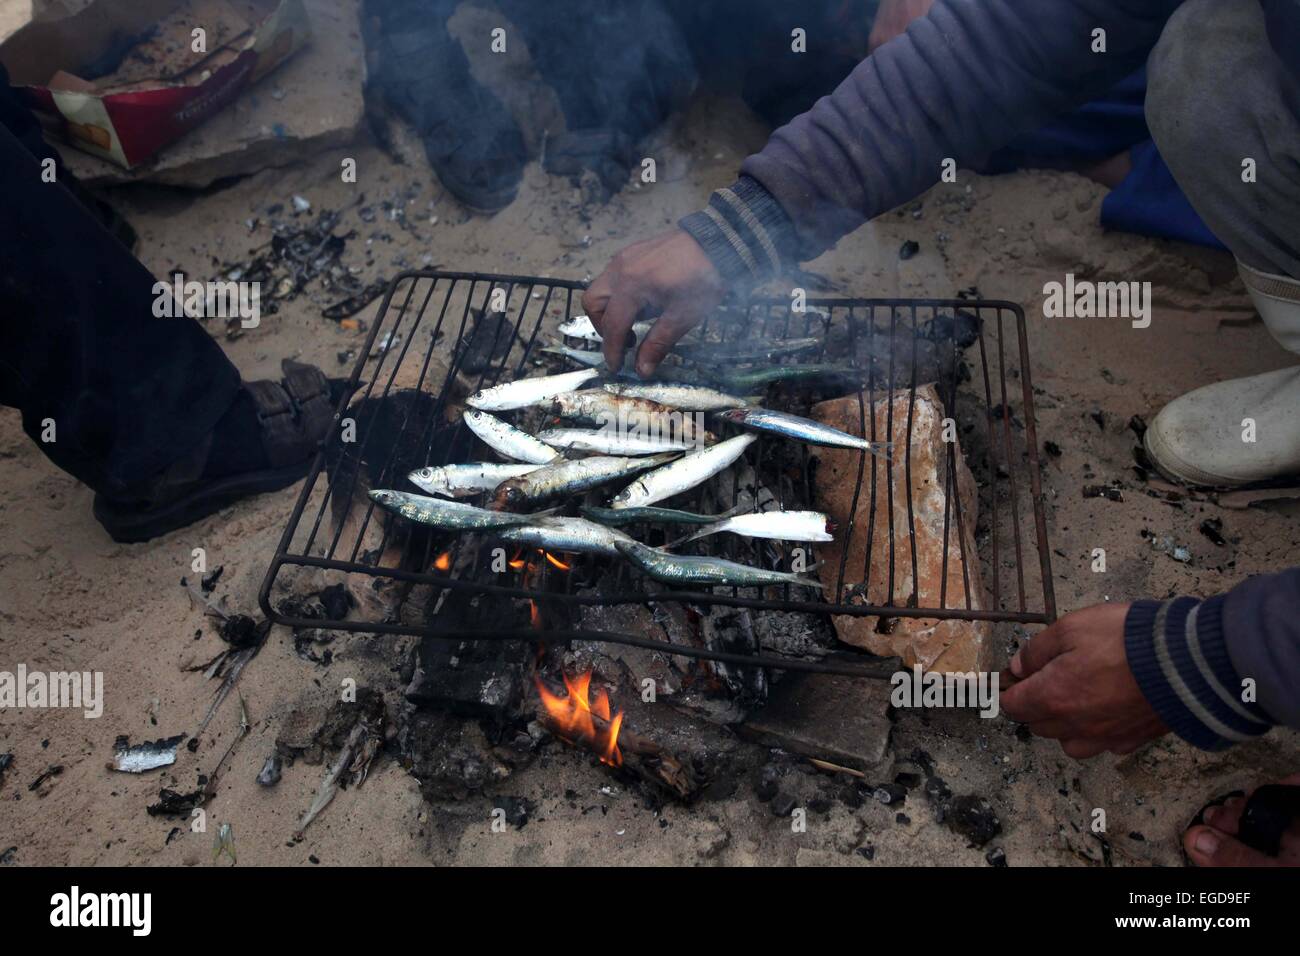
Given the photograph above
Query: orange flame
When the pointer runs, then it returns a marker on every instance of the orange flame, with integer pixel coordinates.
(571, 717)
(556, 562)
(534, 615)
(443, 561)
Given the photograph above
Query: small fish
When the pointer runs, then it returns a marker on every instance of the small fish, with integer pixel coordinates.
(626, 516)
(686, 472)
(611, 441)
(581, 327)
(588, 357)
(528, 391)
(570, 478)
(567, 534)
(693, 569)
(607, 410)
(758, 378)
(778, 525)
(445, 515)
(461, 481)
(505, 439)
(149, 755)
(802, 429)
(708, 352)
(683, 397)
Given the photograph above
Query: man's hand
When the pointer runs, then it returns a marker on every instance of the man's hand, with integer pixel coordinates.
(668, 276)
(1072, 682)
(892, 19)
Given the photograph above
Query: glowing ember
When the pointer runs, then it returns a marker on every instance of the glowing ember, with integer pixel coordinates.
(534, 615)
(571, 717)
(555, 561)
(443, 561)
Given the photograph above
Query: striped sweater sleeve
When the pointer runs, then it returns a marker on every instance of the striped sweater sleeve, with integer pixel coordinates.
(1222, 670)
(959, 83)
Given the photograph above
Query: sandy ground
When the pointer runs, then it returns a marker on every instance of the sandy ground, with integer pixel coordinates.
(72, 599)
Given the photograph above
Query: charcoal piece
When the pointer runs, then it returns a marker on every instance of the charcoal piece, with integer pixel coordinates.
(270, 773)
(240, 630)
(909, 780)
(488, 342)
(972, 817)
(902, 818)
(1109, 492)
(336, 601)
(769, 782)
(961, 328)
(471, 678)
(209, 580)
(937, 790)
(890, 794)
(451, 757)
(867, 852)
(996, 857)
(173, 803)
(1212, 528)
(782, 805)
(819, 804)
(1052, 448)
(518, 810)
(908, 249)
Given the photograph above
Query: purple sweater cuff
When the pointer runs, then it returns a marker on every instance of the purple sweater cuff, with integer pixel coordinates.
(744, 231)
(1179, 657)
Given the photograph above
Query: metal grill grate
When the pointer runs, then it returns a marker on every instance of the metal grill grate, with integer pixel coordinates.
(429, 338)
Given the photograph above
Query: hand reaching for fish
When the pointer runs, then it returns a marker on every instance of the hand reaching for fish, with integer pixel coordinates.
(668, 276)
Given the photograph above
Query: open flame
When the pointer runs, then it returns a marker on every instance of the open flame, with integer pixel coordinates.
(574, 717)
(443, 561)
(555, 562)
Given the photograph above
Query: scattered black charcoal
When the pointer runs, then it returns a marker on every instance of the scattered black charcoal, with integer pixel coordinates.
(973, 818)
(819, 804)
(962, 328)
(1135, 835)
(908, 249)
(1098, 416)
(270, 773)
(8, 856)
(782, 805)
(518, 810)
(851, 796)
(313, 858)
(48, 773)
(1212, 528)
(350, 306)
(867, 852)
(1023, 732)
(909, 780)
(172, 803)
(1109, 492)
(1052, 448)
(937, 790)
(1002, 411)
(890, 794)
(209, 580)
(240, 630)
(996, 857)
(902, 818)
(336, 601)
(1138, 425)
(172, 834)
(6, 761)
(768, 783)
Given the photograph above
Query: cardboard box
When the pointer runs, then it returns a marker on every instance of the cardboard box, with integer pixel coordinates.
(123, 78)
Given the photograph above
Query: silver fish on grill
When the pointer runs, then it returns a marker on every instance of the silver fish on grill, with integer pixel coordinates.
(609, 410)
(683, 397)
(581, 327)
(443, 514)
(570, 478)
(802, 429)
(778, 525)
(505, 439)
(692, 569)
(683, 474)
(618, 518)
(528, 391)
(463, 480)
(611, 441)
(567, 534)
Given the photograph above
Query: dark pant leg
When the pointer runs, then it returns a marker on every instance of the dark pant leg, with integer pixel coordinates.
(128, 393)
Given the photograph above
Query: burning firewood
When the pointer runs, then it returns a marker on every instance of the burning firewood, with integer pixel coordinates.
(586, 721)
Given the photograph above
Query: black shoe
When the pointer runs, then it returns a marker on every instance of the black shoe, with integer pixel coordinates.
(266, 442)
(472, 141)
